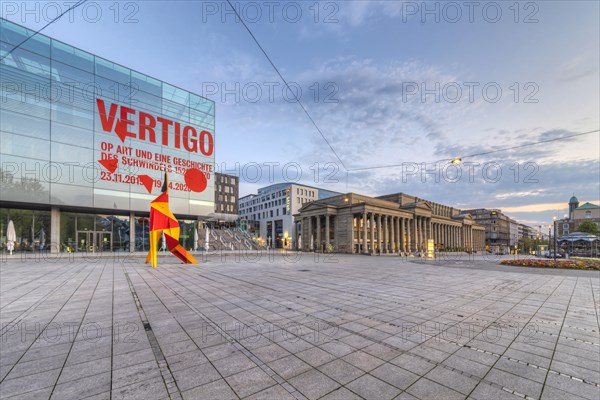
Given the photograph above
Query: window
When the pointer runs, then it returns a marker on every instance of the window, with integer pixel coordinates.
(565, 226)
(278, 212)
(588, 214)
(283, 211)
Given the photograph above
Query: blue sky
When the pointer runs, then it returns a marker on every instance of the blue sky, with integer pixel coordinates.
(373, 58)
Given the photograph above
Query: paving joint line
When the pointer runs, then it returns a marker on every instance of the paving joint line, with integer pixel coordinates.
(165, 371)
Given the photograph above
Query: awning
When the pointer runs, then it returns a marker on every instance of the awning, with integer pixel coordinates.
(222, 217)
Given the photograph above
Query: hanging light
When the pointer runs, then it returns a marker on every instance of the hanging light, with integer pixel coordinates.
(456, 160)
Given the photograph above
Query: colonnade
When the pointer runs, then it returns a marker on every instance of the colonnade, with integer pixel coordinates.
(373, 232)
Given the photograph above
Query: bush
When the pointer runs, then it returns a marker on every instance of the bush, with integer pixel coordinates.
(573, 264)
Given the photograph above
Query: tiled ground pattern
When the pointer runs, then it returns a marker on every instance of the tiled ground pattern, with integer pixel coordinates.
(345, 327)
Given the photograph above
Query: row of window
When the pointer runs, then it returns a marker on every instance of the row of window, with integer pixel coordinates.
(226, 199)
(265, 214)
(305, 192)
(280, 194)
(261, 206)
(244, 210)
(226, 179)
(226, 208)
(225, 189)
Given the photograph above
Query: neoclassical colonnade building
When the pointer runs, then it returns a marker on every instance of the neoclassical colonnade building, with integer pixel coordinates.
(353, 223)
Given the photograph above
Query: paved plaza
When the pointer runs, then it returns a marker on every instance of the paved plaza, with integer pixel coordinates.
(337, 327)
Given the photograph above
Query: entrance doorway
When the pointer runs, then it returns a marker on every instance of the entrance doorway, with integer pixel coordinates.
(94, 241)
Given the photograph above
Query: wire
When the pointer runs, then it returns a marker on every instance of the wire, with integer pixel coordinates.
(42, 28)
(288, 86)
(531, 144)
(484, 153)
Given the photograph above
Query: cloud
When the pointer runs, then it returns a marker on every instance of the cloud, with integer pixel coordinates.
(538, 207)
(577, 68)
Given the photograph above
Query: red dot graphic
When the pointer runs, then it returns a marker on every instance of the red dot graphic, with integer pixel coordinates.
(195, 179)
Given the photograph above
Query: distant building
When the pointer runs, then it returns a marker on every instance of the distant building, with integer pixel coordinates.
(513, 237)
(354, 223)
(528, 232)
(269, 213)
(497, 229)
(226, 196)
(578, 215)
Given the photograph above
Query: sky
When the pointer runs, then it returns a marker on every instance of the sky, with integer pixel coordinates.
(399, 85)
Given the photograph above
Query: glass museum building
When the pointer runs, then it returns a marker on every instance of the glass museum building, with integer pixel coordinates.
(84, 147)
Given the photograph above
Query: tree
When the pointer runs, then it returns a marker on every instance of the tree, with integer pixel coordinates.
(588, 227)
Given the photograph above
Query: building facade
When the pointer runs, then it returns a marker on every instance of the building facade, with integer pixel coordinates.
(497, 229)
(85, 144)
(578, 214)
(227, 190)
(272, 210)
(513, 237)
(353, 223)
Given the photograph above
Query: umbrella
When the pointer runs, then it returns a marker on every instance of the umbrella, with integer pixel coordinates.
(11, 236)
(164, 242)
(206, 239)
(195, 239)
(42, 238)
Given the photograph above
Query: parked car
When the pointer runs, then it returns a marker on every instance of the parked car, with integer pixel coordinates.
(550, 254)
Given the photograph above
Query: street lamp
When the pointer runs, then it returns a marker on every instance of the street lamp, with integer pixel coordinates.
(554, 221)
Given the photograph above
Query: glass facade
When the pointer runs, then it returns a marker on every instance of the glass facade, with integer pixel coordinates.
(65, 114)
(32, 229)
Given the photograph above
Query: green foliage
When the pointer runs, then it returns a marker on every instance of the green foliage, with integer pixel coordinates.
(588, 227)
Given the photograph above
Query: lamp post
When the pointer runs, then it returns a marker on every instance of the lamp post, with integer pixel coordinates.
(554, 221)
(549, 236)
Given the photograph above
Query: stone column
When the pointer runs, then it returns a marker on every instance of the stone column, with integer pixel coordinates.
(412, 239)
(398, 235)
(379, 233)
(424, 239)
(413, 233)
(55, 230)
(430, 229)
(471, 238)
(425, 234)
(421, 233)
(393, 247)
(409, 238)
(310, 238)
(386, 233)
(404, 234)
(445, 235)
(372, 236)
(358, 231)
(364, 241)
(326, 232)
(453, 236)
(318, 240)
